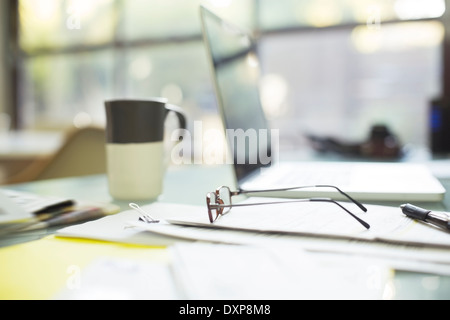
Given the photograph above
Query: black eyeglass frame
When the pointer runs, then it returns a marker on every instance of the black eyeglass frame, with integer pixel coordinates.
(219, 205)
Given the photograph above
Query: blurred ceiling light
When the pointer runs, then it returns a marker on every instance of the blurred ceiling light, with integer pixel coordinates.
(396, 37)
(252, 60)
(82, 119)
(173, 93)
(43, 10)
(32, 12)
(85, 7)
(274, 90)
(220, 3)
(418, 9)
(140, 68)
(364, 11)
(366, 40)
(322, 13)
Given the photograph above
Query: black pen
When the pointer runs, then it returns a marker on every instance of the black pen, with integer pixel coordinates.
(439, 219)
(77, 216)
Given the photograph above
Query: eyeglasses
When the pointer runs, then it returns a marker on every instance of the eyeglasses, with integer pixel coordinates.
(219, 202)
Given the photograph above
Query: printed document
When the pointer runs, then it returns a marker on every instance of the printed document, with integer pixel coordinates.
(325, 219)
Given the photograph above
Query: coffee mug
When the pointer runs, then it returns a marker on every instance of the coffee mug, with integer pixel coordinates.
(135, 147)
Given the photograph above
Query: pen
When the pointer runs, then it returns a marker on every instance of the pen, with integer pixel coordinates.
(68, 217)
(17, 227)
(439, 219)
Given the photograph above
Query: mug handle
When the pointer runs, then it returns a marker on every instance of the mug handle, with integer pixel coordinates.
(179, 113)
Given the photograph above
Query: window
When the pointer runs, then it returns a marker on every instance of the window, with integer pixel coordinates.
(329, 67)
(336, 68)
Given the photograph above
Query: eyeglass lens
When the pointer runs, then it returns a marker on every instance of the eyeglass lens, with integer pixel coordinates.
(224, 194)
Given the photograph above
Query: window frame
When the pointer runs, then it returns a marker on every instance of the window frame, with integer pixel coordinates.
(16, 55)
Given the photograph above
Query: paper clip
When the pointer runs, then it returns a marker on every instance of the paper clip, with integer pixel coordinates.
(145, 217)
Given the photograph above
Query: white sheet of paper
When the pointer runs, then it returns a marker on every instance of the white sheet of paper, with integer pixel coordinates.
(10, 211)
(115, 228)
(110, 278)
(207, 271)
(325, 219)
(125, 227)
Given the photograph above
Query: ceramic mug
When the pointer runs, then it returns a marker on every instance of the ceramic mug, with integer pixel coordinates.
(135, 147)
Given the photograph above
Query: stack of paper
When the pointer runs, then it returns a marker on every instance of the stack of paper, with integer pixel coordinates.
(22, 211)
(388, 224)
(403, 243)
(227, 272)
(201, 271)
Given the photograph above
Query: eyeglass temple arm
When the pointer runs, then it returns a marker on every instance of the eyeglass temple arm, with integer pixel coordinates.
(365, 224)
(359, 204)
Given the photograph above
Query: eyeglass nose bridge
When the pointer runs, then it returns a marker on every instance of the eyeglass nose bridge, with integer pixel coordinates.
(219, 209)
(224, 194)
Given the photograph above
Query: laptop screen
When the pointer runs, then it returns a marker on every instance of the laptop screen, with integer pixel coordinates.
(235, 70)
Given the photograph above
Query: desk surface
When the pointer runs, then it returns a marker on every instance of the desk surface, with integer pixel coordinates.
(180, 187)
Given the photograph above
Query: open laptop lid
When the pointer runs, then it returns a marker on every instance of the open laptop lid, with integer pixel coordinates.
(235, 71)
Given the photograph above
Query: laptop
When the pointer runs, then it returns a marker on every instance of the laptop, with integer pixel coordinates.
(253, 144)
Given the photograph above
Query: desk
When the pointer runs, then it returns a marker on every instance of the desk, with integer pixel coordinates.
(187, 184)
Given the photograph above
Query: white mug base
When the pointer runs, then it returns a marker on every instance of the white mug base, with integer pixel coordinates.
(135, 170)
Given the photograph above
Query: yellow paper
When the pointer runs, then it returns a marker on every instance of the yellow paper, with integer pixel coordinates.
(41, 269)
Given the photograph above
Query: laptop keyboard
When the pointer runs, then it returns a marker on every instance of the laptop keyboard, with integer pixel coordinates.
(291, 176)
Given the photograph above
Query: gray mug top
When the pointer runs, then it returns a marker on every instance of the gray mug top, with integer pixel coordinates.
(137, 121)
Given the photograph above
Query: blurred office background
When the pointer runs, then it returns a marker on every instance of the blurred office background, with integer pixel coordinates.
(331, 67)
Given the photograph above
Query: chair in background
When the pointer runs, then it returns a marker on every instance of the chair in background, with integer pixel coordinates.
(82, 153)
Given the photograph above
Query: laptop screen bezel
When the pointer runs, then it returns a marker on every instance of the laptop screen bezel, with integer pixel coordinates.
(242, 171)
